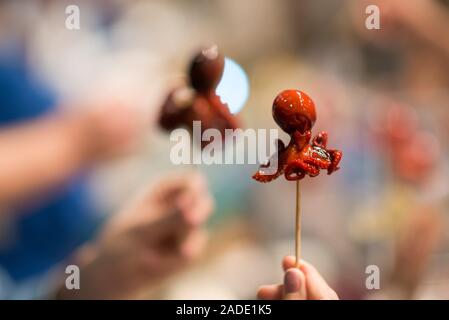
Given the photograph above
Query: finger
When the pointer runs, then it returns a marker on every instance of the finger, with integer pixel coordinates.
(162, 265)
(178, 223)
(317, 287)
(294, 285)
(177, 256)
(185, 205)
(190, 195)
(194, 184)
(170, 187)
(288, 262)
(193, 244)
(198, 182)
(270, 292)
(195, 211)
(171, 224)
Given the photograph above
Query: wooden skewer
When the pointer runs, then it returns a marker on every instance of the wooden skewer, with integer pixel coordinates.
(298, 225)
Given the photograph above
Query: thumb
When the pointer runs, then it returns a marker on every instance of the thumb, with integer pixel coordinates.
(294, 285)
(317, 287)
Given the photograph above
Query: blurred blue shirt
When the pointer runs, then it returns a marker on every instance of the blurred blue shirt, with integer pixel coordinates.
(46, 230)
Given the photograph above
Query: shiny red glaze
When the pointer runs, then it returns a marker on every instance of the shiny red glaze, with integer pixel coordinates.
(294, 112)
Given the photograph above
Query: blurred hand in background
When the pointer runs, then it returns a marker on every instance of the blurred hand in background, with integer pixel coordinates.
(39, 155)
(303, 283)
(158, 234)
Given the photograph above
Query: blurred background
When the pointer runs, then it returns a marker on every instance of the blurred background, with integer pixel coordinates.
(382, 95)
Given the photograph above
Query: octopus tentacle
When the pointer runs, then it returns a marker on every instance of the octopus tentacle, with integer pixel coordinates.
(263, 174)
(336, 156)
(320, 140)
(316, 162)
(300, 168)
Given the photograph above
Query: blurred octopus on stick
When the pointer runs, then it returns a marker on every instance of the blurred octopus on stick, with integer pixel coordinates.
(199, 100)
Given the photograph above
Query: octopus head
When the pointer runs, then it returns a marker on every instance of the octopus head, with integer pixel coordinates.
(293, 110)
(206, 69)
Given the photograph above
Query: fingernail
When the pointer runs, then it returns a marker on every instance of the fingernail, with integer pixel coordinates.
(291, 282)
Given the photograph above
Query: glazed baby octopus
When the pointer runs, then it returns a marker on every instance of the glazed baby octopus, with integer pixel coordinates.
(199, 102)
(294, 112)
